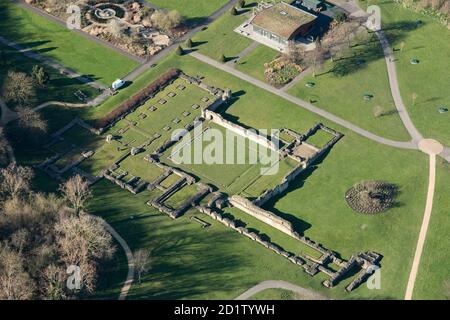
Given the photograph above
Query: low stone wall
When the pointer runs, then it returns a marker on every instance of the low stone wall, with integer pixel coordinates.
(249, 134)
(248, 207)
(280, 188)
(251, 235)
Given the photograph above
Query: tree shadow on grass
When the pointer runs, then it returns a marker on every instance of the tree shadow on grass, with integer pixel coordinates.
(365, 52)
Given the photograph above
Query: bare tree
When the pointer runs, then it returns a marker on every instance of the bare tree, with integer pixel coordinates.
(142, 262)
(166, 21)
(15, 283)
(18, 88)
(30, 119)
(15, 180)
(3, 146)
(53, 282)
(76, 191)
(315, 58)
(84, 242)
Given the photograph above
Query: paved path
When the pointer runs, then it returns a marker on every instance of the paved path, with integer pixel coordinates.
(433, 148)
(130, 276)
(395, 89)
(243, 53)
(304, 104)
(296, 79)
(279, 284)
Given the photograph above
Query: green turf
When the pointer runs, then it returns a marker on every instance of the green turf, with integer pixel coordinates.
(136, 166)
(265, 182)
(429, 79)
(59, 88)
(191, 9)
(320, 138)
(344, 95)
(253, 63)
(224, 174)
(271, 234)
(433, 268)
(220, 39)
(190, 262)
(72, 50)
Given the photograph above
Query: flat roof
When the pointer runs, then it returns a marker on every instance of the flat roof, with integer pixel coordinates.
(282, 19)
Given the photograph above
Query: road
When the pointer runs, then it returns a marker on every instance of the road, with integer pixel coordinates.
(279, 284)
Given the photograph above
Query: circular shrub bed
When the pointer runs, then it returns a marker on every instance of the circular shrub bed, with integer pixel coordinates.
(371, 197)
(111, 11)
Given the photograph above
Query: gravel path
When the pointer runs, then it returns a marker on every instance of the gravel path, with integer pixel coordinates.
(279, 284)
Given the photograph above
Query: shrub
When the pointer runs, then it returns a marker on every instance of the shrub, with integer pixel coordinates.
(233, 11)
(138, 98)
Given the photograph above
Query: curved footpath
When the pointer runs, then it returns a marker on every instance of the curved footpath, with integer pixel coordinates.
(130, 276)
(432, 148)
(280, 284)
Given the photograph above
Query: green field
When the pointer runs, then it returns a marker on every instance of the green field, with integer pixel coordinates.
(433, 268)
(430, 44)
(344, 95)
(253, 63)
(191, 9)
(220, 39)
(59, 87)
(195, 263)
(237, 161)
(70, 49)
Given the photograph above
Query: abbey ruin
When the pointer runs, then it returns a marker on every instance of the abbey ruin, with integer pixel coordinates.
(166, 179)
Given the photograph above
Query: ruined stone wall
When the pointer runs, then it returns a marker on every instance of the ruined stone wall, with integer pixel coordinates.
(267, 217)
(249, 134)
(280, 188)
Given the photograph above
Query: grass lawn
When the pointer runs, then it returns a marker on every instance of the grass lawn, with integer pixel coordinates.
(430, 44)
(59, 88)
(70, 49)
(433, 269)
(253, 63)
(265, 182)
(214, 263)
(191, 9)
(230, 175)
(220, 39)
(344, 95)
(136, 166)
(320, 138)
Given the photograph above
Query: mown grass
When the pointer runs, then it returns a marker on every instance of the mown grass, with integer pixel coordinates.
(190, 262)
(70, 49)
(220, 39)
(59, 87)
(433, 278)
(253, 63)
(429, 80)
(344, 95)
(191, 9)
